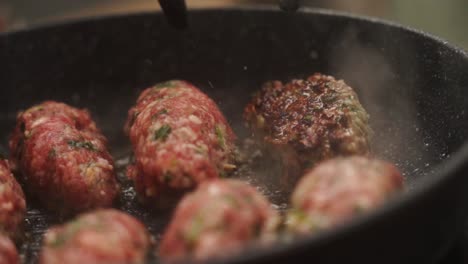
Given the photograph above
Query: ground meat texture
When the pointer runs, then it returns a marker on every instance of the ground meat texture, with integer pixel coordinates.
(306, 121)
(62, 158)
(103, 236)
(12, 203)
(8, 253)
(339, 189)
(180, 138)
(216, 220)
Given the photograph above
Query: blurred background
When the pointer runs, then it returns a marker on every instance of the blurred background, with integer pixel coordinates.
(445, 18)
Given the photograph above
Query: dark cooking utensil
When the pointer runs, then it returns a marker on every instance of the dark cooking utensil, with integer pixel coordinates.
(414, 86)
(289, 5)
(175, 11)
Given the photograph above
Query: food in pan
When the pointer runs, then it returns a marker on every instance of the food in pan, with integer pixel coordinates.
(182, 141)
(102, 236)
(339, 189)
(180, 138)
(218, 219)
(8, 253)
(12, 203)
(63, 159)
(306, 121)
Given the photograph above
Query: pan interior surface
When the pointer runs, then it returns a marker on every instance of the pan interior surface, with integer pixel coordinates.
(410, 84)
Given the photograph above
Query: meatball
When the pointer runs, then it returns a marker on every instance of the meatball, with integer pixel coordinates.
(8, 253)
(63, 159)
(216, 220)
(306, 121)
(339, 189)
(12, 202)
(102, 236)
(180, 138)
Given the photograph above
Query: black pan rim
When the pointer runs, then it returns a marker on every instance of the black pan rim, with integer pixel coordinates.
(428, 184)
(260, 7)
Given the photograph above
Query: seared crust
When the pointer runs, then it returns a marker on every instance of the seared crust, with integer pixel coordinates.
(309, 120)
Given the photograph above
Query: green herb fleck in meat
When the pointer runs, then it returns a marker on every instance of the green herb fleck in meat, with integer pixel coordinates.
(134, 117)
(59, 241)
(296, 217)
(353, 108)
(257, 229)
(168, 84)
(167, 178)
(35, 108)
(52, 153)
(200, 150)
(196, 227)
(82, 144)
(68, 233)
(162, 112)
(330, 98)
(359, 208)
(222, 174)
(162, 133)
(220, 135)
(231, 200)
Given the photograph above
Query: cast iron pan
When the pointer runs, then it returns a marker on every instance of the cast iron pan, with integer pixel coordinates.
(413, 85)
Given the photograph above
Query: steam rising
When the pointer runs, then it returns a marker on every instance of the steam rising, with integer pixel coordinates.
(393, 113)
(394, 117)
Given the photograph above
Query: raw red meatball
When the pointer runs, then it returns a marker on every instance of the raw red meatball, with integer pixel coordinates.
(306, 121)
(180, 138)
(63, 159)
(8, 253)
(218, 219)
(340, 188)
(100, 237)
(12, 202)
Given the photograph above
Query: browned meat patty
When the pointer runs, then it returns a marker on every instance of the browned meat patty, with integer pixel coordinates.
(339, 189)
(216, 220)
(12, 202)
(180, 138)
(63, 159)
(306, 121)
(8, 253)
(105, 236)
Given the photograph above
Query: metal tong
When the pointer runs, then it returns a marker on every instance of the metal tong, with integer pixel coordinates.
(176, 10)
